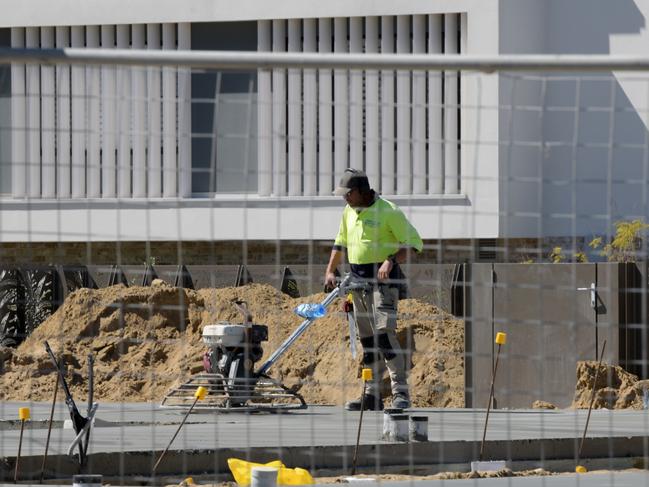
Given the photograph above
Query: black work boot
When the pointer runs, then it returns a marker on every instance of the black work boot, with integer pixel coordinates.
(372, 403)
(400, 400)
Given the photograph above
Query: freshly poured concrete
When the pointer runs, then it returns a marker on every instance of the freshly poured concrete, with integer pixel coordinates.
(128, 437)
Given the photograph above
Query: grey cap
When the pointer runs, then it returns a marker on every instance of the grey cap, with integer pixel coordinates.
(352, 178)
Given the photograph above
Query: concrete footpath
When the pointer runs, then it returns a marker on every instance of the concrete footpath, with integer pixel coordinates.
(128, 438)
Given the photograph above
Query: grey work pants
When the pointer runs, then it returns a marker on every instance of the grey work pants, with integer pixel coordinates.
(376, 316)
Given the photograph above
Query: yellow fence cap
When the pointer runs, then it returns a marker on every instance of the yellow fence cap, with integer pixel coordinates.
(23, 413)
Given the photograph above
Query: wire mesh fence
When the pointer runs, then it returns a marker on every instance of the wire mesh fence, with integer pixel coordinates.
(164, 213)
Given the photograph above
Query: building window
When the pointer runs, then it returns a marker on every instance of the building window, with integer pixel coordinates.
(224, 114)
(5, 118)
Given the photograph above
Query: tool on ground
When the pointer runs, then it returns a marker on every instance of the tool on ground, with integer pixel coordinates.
(230, 377)
(49, 427)
(366, 375)
(581, 468)
(501, 339)
(23, 415)
(199, 395)
(80, 424)
(348, 307)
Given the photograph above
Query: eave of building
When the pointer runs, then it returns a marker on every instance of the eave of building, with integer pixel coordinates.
(94, 12)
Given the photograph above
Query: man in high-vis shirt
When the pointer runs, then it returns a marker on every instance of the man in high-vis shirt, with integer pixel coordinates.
(377, 237)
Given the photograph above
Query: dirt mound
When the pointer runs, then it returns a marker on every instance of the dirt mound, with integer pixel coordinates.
(148, 339)
(615, 388)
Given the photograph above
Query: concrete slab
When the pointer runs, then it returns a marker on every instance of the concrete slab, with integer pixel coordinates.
(132, 435)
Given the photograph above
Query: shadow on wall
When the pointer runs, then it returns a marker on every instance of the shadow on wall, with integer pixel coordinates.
(583, 135)
(586, 26)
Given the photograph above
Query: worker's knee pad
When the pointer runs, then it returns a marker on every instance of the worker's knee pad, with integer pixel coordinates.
(386, 346)
(370, 351)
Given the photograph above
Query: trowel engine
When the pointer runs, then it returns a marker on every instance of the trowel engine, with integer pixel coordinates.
(233, 350)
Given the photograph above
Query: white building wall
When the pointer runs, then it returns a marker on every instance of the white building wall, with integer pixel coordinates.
(575, 161)
(471, 213)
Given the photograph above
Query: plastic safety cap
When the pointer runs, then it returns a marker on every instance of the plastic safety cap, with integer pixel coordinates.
(366, 374)
(200, 393)
(23, 414)
(501, 338)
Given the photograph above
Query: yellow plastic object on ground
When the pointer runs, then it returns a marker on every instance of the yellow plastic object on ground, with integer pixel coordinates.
(242, 472)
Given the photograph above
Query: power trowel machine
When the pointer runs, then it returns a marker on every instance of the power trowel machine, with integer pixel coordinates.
(231, 379)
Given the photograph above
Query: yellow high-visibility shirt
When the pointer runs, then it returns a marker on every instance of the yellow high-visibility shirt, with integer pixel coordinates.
(376, 232)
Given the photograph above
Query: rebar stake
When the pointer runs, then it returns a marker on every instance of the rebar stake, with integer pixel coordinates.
(501, 339)
(366, 374)
(23, 414)
(200, 393)
(590, 407)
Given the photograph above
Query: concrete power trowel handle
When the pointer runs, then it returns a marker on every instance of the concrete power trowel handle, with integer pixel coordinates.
(341, 290)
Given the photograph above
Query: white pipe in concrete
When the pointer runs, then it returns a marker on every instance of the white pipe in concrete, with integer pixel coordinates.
(395, 427)
(387, 421)
(418, 428)
(90, 480)
(264, 477)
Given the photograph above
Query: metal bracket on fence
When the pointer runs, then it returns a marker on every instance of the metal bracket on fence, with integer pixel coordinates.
(593, 294)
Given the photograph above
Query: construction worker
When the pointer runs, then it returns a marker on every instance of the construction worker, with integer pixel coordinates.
(377, 237)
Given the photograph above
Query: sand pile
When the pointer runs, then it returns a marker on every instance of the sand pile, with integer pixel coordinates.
(615, 388)
(147, 339)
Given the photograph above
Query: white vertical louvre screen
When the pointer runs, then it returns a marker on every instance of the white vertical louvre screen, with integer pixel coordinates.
(33, 78)
(109, 118)
(48, 120)
(310, 113)
(265, 113)
(451, 102)
(401, 127)
(93, 96)
(278, 98)
(184, 116)
(19, 119)
(169, 112)
(154, 116)
(325, 113)
(116, 131)
(101, 132)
